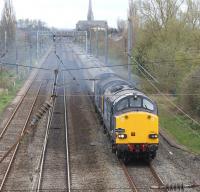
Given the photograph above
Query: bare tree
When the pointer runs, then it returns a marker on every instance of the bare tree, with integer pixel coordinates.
(8, 23)
(121, 25)
(192, 15)
(161, 11)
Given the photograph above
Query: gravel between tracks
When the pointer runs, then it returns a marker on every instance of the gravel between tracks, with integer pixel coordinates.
(55, 164)
(92, 165)
(176, 166)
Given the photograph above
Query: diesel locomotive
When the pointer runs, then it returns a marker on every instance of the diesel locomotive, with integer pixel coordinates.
(129, 117)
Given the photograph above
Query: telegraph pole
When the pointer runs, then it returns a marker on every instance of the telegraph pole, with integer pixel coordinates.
(86, 42)
(130, 46)
(5, 41)
(16, 55)
(90, 51)
(106, 44)
(37, 49)
(30, 52)
(97, 42)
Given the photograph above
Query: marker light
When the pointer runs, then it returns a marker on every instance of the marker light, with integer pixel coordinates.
(122, 136)
(153, 136)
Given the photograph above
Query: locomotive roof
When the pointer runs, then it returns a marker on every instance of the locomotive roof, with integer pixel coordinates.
(123, 94)
(115, 88)
(109, 79)
(103, 76)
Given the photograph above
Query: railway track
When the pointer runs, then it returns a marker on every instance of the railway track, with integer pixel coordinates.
(15, 127)
(54, 171)
(10, 145)
(142, 177)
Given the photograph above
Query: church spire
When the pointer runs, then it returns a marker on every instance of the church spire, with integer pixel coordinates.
(90, 16)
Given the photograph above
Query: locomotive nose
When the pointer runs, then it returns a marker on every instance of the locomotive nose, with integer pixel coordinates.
(139, 127)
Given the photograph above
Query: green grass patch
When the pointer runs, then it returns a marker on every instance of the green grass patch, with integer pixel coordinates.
(183, 130)
(7, 96)
(4, 101)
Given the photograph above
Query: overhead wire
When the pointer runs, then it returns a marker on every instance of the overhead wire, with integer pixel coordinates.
(171, 102)
(166, 98)
(108, 66)
(172, 61)
(146, 71)
(66, 69)
(26, 66)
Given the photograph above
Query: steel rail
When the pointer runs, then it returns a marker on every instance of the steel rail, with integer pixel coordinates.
(41, 162)
(157, 177)
(128, 176)
(35, 74)
(44, 148)
(131, 179)
(15, 111)
(66, 139)
(18, 142)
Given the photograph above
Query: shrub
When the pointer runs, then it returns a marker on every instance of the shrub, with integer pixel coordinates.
(190, 92)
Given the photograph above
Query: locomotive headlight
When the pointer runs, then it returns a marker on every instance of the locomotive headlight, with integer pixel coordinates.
(122, 136)
(153, 136)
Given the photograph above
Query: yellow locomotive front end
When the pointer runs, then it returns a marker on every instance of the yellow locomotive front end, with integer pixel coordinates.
(136, 127)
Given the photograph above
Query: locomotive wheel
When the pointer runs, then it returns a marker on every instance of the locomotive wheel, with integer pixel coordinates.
(113, 148)
(118, 153)
(104, 129)
(108, 135)
(149, 157)
(125, 158)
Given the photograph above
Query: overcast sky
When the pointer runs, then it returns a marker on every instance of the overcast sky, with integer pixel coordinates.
(65, 13)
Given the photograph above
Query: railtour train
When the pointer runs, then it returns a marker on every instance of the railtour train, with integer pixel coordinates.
(129, 117)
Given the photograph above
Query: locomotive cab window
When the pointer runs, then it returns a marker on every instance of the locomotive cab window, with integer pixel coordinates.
(148, 105)
(123, 104)
(135, 102)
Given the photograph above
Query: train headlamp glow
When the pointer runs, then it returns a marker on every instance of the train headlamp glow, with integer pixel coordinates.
(122, 136)
(153, 136)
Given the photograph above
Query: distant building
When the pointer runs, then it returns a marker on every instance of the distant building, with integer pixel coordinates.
(90, 16)
(85, 25)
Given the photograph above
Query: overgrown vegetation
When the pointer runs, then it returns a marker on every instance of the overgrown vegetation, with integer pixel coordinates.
(167, 39)
(21, 42)
(10, 86)
(190, 92)
(181, 128)
(167, 44)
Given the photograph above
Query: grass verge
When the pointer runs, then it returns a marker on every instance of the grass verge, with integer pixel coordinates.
(183, 130)
(7, 97)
